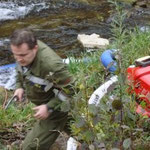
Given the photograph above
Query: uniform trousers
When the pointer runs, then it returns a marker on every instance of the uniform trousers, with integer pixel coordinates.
(45, 132)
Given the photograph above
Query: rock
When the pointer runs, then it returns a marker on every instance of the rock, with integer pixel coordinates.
(142, 3)
(145, 28)
(92, 41)
(61, 142)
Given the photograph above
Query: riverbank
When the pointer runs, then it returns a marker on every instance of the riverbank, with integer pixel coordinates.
(116, 127)
(98, 121)
(58, 23)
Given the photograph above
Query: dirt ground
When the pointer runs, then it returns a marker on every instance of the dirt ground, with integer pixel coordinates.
(61, 143)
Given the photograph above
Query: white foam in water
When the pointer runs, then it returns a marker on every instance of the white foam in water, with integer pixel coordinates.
(10, 10)
(6, 14)
(8, 78)
(4, 41)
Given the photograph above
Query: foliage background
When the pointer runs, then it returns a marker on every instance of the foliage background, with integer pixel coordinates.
(114, 122)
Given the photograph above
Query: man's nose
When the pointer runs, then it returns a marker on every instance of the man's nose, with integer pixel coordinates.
(19, 58)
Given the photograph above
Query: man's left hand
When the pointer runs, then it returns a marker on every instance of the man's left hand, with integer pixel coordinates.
(41, 112)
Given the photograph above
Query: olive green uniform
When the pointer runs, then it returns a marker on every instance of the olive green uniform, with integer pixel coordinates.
(49, 66)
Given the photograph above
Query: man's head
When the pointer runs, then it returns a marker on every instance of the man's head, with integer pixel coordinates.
(24, 46)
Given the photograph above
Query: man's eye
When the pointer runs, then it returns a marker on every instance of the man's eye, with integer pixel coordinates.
(23, 55)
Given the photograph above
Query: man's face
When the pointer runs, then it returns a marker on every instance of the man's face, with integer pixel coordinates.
(23, 55)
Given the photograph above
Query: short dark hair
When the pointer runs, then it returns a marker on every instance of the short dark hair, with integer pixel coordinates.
(21, 36)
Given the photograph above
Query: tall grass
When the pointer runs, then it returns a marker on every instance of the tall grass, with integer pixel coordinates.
(121, 128)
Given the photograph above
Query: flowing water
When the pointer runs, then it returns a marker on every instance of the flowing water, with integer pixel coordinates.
(58, 22)
(55, 22)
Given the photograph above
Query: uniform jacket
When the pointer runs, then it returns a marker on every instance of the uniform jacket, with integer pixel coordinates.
(46, 65)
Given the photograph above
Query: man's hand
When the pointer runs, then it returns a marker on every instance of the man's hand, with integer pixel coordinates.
(19, 93)
(41, 112)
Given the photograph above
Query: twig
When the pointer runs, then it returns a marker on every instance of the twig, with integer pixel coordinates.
(62, 135)
(6, 97)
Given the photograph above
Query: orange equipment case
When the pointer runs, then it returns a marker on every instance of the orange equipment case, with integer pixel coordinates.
(139, 81)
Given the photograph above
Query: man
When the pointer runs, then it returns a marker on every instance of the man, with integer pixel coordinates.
(43, 77)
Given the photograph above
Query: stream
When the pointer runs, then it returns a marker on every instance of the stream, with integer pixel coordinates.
(58, 22)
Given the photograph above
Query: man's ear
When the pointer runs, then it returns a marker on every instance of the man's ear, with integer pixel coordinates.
(36, 48)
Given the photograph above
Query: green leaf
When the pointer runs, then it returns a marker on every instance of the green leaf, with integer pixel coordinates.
(125, 127)
(65, 106)
(131, 116)
(143, 104)
(93, 109)
(91, 147)
(80, 122)
(96, 119)
(89, 136)
(127, 143)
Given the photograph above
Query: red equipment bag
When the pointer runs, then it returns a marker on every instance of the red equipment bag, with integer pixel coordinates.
(139, 81)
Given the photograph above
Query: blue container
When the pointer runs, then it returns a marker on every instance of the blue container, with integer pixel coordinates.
(108, 60)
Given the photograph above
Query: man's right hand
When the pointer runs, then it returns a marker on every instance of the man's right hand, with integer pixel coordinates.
(19, 93)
